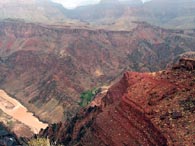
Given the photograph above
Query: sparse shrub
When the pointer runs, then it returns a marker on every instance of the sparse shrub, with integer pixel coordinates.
(39, 142)
(87, 97)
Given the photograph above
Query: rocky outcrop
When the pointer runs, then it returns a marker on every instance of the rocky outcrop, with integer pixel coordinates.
(141, 109)
(186, 63)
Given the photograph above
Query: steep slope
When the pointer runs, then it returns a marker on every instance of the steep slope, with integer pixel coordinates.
(48, 67)
(141, 109)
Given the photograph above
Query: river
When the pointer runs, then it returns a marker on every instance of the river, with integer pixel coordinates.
(16, 110)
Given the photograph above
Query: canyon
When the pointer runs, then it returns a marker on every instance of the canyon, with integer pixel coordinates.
(139, 57)
(54, 65)
(47, 67)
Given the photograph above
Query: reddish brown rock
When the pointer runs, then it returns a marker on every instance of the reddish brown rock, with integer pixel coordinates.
(141, 109)
(47, 67)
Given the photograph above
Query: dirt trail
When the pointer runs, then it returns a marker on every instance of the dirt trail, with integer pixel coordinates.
(16, 110)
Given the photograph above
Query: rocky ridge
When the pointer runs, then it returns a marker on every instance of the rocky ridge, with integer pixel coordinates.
(141, 109)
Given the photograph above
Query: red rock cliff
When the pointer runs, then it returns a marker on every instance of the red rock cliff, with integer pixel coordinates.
(141, 109)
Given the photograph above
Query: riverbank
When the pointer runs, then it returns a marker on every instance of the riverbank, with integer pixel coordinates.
(15, 109)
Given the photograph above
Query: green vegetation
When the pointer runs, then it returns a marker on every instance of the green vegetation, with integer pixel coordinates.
(87, 96)
(39, 142)
(10, 123)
